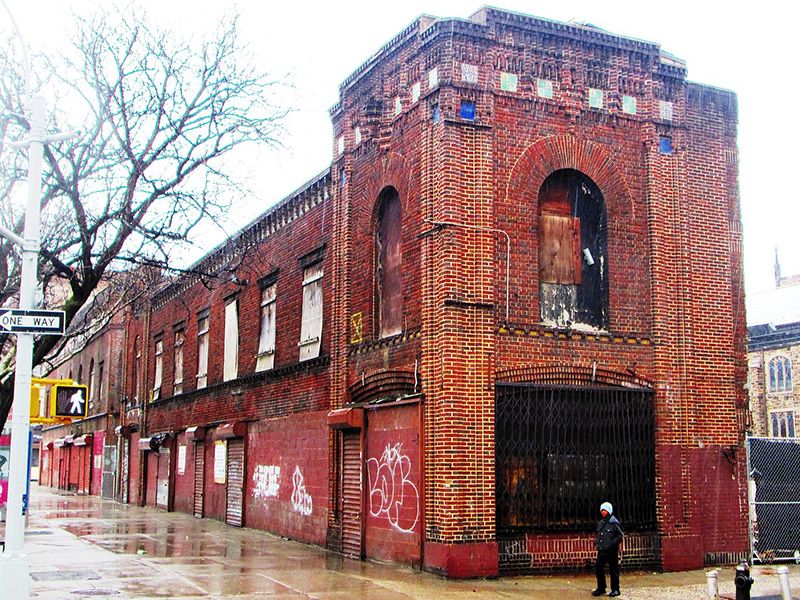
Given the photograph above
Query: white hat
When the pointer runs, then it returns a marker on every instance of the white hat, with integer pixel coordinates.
(607, 507)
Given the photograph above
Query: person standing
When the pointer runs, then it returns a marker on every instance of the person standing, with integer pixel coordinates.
(609, 536)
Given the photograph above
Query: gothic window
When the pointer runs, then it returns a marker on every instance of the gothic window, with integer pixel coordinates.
(782, 423)
(389, 262)
(780, 374)
(573, 261)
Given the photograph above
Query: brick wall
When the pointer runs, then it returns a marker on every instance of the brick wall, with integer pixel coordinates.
(286, 476)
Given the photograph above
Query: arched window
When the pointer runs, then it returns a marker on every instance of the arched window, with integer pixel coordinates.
(137, 367)
(780, 374)
(573, 246)
(389, 261)
(91, 382)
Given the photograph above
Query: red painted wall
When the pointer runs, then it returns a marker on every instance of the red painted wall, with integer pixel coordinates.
(215, 496)
(393, 490)
(184, 481)
(151, 477)
(286, 486)
(97, 462)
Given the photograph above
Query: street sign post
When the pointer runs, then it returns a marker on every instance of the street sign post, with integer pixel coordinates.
(47, 322)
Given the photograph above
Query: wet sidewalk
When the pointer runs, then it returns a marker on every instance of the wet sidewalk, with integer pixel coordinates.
(85, 547)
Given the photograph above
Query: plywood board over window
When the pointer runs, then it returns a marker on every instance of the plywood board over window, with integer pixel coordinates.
(311, 327)
(231, 360)
(559, 250)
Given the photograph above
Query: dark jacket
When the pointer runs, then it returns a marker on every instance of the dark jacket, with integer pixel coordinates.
(609, 535)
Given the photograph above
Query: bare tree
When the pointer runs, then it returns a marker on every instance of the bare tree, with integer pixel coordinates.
(159, 118)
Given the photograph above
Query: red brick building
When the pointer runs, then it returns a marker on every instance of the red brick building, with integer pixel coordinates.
(516, 293)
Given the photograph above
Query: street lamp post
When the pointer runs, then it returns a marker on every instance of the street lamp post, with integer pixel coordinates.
(14, 565)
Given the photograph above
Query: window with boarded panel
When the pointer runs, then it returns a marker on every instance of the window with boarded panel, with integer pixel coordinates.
(573, 261)
(559, 250)
(389, 262)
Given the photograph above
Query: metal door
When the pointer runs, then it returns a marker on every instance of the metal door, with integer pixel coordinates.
(162, 479)
(351, 493)
(199, 478)
(234, 509)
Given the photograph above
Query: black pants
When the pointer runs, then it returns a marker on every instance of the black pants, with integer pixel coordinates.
(612, 558)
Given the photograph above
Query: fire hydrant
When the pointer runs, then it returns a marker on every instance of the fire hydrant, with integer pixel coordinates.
(743, 582)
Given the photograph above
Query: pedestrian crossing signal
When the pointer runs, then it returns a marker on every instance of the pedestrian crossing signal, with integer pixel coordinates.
(69, 401)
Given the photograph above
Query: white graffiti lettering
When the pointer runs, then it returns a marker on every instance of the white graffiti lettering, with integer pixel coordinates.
(391, 494)
(266, 481)
(301, 499)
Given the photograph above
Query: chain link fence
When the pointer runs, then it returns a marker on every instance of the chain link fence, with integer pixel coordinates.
(774, 492)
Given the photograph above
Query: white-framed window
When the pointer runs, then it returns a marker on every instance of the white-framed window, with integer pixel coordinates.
(780, 374)
(782, 423)
(177, 383)
(202, 352)
(544, 88)
(159, 369)
(231, 360)
(266, 338)
(311, 326)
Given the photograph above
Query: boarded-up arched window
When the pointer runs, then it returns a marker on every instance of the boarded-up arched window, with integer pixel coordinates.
(389, 260)
(573, 262)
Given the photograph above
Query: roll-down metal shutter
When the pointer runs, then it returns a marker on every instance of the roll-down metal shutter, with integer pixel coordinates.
(234, 511)
(199, 475)
(351, 493)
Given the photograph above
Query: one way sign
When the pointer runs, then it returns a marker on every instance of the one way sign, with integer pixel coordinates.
(48, 322)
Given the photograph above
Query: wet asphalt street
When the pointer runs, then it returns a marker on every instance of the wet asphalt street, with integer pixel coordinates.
(86, 547)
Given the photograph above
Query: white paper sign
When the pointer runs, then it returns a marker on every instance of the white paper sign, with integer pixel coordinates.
(181, 460)
(220, 461)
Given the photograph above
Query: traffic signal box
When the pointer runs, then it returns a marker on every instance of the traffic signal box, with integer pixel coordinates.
(69, 401)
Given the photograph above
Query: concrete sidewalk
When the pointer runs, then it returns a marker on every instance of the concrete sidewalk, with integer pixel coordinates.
(86, 547)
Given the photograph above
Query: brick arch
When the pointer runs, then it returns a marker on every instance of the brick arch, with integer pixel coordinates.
(544, 157)
(385, 385)
(572, 376)
(390, 170)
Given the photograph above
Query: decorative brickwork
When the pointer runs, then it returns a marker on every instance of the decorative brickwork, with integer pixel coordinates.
(459, 125)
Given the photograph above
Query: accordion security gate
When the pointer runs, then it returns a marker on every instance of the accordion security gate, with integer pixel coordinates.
(561, 451)
(774, 486)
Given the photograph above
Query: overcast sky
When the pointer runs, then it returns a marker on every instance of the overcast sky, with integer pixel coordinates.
(748, 48)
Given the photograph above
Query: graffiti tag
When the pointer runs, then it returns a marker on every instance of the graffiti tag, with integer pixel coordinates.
(391, 494)
(266, 481)
(301, 499)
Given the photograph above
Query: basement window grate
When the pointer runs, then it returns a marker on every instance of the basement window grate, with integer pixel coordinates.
(561, 451)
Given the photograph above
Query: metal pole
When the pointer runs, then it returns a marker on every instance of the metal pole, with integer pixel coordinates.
(14, 566)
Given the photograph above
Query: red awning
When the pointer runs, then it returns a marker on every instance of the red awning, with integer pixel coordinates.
(197, 433)
(346, 418)
(227, 431)
(83, 440)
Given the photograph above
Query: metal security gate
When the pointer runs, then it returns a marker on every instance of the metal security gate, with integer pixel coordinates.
(561, 451)
(351, 493)
(774, 491)
(234, 509)
(107, 487)
(199, 478)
